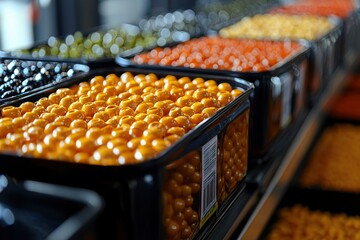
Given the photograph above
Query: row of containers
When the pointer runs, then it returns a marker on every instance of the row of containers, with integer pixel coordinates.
(322, 199)
(167, 135)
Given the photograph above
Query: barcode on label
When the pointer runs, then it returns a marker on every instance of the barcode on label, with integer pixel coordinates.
(209, 159)
(209, 193)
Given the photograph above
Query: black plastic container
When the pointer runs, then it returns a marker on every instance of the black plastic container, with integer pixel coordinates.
(50, 76)
(280, 95)
(133, 193)
(325, 201)
(33, 210)
(325, 58)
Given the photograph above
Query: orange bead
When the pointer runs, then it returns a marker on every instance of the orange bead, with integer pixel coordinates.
(176, 131)
(27, 107)
(224, 98)
(59, 110)
(152, 118)
(110, 91)
(96, 122)
(126, 158)
(29, 117)
(225, 87)
(144, 153)
(162, 94)
(126, 111)
(175, 112)
(209, 111)
(188, 111)
(48, 117)
(75, 106)
(185, 101)
(197, 118)
(176, 93)
(149, 97)
(85, 99)
(38, 110)
(45, 102)
(113, 100)
(184, 122)
(19, 122)
(94, 133)
(67, 101)
(155, 110)
(200, 94)
(168, 122)
(11, 112)
(127, 120)
(102, 115)
(78, 123)
(197, 107)
(140, 116)
(89, 109)
(97, 80)
(75, 114)
(128, 103)
(81, 157)
(86, 145)
(142, 107)
(63, 121)
(236, 92)
(54, 98)
(61, 132)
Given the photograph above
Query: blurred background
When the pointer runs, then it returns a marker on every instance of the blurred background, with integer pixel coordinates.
(25, 22)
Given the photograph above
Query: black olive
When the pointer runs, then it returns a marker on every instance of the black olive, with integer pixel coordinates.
(33, 68)
(11, 66)
(18, 72)
(9, 93)
(14, 83)
(30, 82)
(26, 89)
(70, 72)
(27, 72)
(5, 87)
(7, 79)
(40, 79)
(57, 68)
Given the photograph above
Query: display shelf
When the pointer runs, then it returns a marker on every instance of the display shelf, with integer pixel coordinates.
(283, 174)
(268, 181)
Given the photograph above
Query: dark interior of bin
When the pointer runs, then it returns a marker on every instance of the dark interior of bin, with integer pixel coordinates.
(36, 215)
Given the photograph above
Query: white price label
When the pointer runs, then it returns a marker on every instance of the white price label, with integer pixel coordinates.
(208, 186)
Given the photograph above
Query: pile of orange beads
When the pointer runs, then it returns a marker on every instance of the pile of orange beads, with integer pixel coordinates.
(221, 53)
(112, 120)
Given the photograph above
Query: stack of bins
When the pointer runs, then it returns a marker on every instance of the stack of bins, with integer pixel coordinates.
(322, 201)
(323, 33)
(345, 10)
(162, 173)
(323, 198)
(278, 69)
